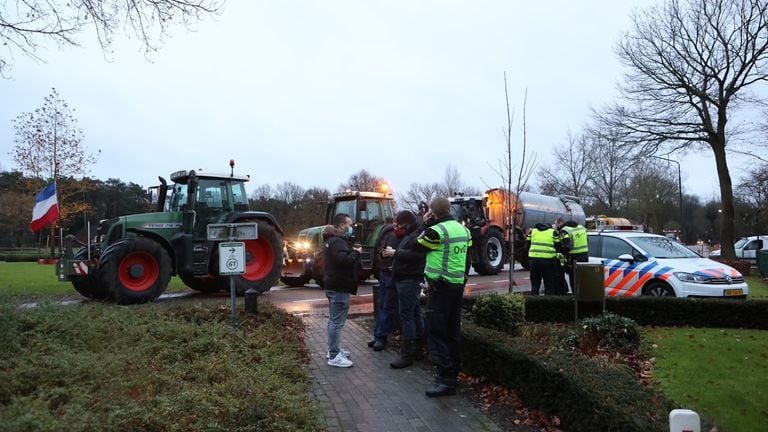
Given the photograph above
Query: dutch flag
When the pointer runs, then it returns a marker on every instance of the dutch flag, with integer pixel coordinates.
(46, 209)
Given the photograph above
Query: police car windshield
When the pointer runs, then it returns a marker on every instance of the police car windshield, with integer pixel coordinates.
(663, 247)
(740, 244)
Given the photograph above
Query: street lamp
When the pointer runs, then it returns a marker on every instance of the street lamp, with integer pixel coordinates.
(680, 192)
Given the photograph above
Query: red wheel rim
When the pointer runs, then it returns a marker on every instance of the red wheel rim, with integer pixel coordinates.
(259, 259)
(151, 271)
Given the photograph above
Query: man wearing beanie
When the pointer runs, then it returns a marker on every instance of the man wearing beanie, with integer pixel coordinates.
(408, 272)
(446, 242)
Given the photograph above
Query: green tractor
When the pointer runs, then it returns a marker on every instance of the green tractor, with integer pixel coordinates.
(132, 258)
(373, 214)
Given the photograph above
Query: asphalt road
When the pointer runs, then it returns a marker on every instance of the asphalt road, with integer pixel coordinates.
(311, 298)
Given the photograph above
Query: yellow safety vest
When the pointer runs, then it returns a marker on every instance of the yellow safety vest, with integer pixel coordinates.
(542, 244)
(578, 236)
(448, 258)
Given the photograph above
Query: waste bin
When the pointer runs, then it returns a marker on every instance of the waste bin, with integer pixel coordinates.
(762, 262)
(589, 295)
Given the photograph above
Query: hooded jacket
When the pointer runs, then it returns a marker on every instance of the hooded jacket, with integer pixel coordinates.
(341, 262)
(409, 260)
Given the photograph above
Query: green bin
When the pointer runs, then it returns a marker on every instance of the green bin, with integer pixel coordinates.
(762, 262)
(589, 295)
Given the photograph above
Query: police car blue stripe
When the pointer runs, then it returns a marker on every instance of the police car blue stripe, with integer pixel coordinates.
(651, 265)
(662, 271)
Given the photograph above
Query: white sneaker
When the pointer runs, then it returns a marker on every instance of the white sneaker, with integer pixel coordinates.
(340, 361)
(345, 352)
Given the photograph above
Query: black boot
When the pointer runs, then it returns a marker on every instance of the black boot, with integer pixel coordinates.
(406, 355)
(443, 386)
(379, 344)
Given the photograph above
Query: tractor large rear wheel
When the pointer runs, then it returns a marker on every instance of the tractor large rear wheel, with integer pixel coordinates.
(88, 285)
(135, 270)
(491, 253)
(263, 261)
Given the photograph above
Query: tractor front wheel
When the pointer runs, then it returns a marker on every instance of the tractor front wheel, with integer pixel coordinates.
(135, 270)
(88, 285)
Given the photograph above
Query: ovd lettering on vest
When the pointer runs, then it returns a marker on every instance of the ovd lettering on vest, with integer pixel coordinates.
(460, 249)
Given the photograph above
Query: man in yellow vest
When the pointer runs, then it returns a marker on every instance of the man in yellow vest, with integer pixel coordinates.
(574, 244)
(542, 256)
(446, 242)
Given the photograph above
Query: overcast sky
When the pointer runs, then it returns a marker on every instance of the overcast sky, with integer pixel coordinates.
(311, 92)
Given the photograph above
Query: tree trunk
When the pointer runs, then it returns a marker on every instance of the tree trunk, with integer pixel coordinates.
(726, 199)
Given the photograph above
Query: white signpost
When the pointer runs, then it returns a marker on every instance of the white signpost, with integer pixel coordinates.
(232, 258)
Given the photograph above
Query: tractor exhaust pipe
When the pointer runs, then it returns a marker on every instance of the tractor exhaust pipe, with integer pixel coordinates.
(189, 215)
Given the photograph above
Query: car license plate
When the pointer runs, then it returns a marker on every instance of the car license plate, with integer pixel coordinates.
(734, 292)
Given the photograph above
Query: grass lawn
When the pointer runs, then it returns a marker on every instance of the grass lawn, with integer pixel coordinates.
(33, 279)
(152, 367)
(722, 374)
(758, 288)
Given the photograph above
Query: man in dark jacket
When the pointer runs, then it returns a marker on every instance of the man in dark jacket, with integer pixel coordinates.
(408, 272)
(341, 264)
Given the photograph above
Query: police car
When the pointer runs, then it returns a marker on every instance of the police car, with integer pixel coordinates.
(639, 263)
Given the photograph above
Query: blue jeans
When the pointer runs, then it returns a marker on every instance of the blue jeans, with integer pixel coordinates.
(387, 307)
(408, 293)
(338, 307)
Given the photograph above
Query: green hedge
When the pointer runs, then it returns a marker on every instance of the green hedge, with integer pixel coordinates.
(587, 396)
(657, 311)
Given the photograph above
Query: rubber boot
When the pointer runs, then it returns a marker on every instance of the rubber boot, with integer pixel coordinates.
(406, 355)
(443, 387)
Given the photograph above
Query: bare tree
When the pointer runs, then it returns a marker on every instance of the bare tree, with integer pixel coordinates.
(363, 181)
(26, 25)
(610, 173)
(418, 193)
(572, 169)
(48, 143)
(290, 193)
(753, 190)
(652, 196)
(48, 146)
(692, 64)
(506, 172)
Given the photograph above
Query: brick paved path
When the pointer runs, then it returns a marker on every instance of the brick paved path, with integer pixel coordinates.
(371, 396)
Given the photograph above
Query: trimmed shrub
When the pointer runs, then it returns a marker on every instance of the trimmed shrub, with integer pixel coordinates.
(587, 396)
(503, 312)
(660, 311)
(610, 331)
(744, 267)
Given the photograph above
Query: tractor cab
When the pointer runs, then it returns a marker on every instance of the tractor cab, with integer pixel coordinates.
(213, 197)
(370, 212)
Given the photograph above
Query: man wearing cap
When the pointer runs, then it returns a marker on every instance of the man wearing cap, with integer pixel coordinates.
(408, 272)
(446, 242)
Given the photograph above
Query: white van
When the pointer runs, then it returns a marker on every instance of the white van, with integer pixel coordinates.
(747, 247)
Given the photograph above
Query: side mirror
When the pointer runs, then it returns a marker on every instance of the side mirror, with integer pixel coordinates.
(626, 258)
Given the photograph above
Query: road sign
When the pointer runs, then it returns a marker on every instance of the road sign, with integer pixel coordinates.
(231, 258)
(233, 231)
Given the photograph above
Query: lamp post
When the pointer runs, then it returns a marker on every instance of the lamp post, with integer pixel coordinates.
(679, 190)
